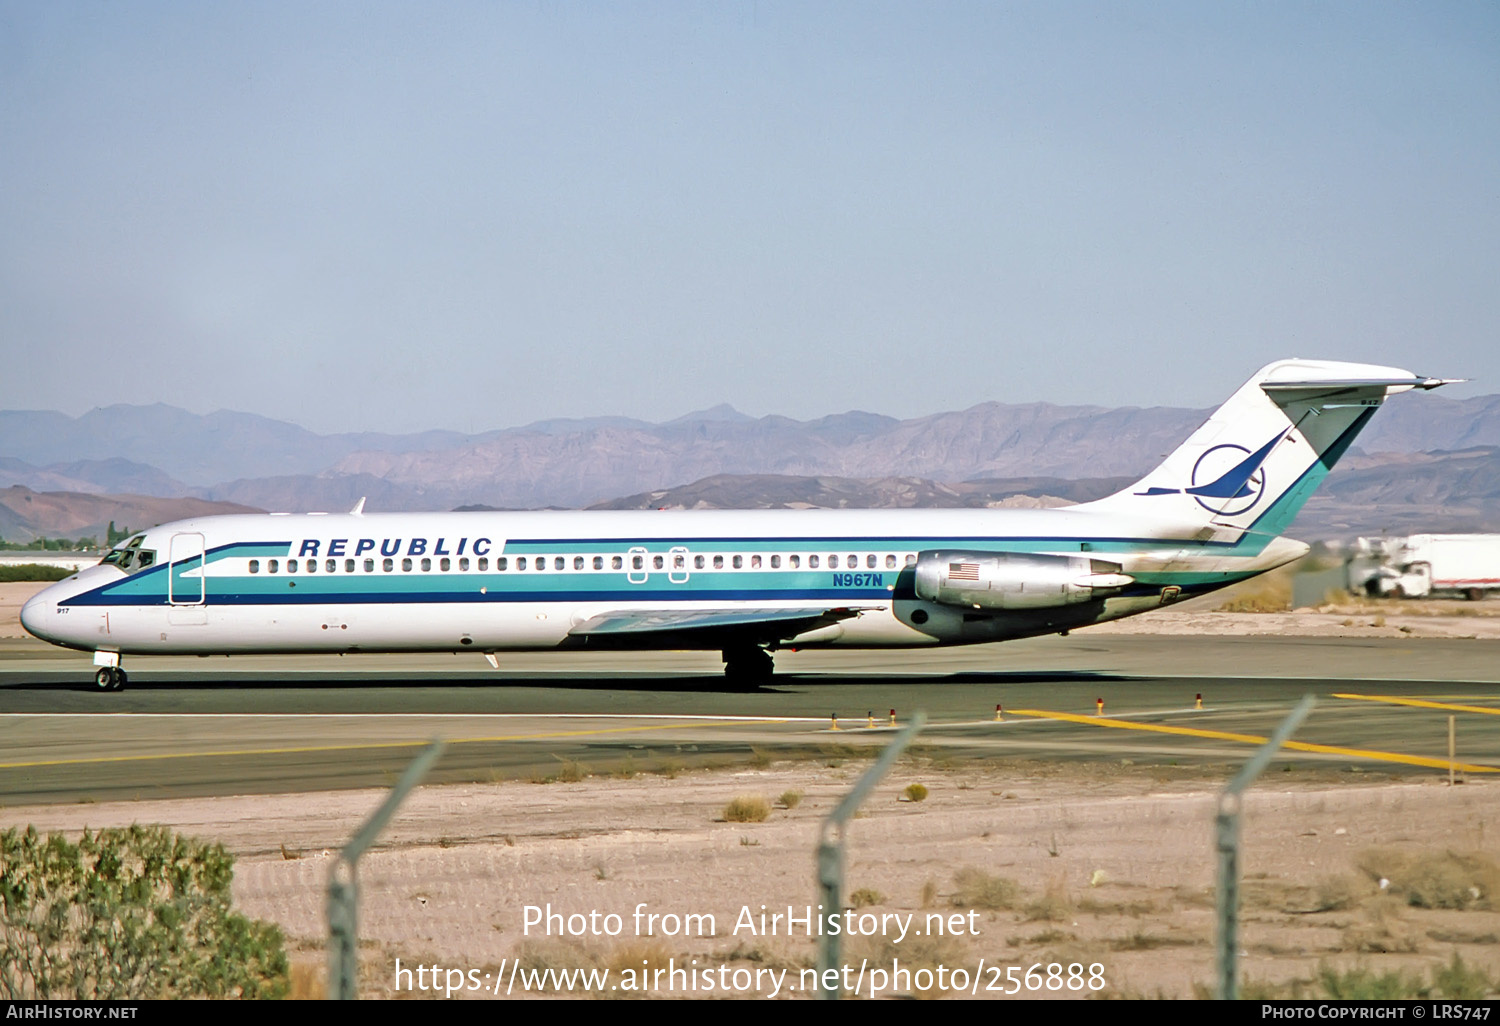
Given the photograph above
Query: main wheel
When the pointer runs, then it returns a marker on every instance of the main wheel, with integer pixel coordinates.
(104, 680)
(120, 680)
(748, 667)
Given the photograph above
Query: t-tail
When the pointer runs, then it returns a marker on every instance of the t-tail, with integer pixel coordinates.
(1255, 461)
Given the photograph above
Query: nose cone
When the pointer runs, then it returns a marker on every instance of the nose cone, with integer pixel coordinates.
(38, 613)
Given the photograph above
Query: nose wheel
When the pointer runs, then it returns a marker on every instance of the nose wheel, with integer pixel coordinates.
(109, 678)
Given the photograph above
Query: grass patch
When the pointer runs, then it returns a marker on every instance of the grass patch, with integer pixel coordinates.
(1426, 880)
(790, 799)
(33, 572)
(974, 888)
(865, 897)
(747, 808)
(572, 771)
(759, 757)
(1453, 980)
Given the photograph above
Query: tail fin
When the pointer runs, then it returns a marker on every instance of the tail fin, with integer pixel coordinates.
(1252, 465)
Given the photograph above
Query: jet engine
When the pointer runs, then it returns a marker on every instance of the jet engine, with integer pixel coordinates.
(1005, 580)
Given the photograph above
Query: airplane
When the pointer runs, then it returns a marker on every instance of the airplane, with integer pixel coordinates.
(745, 583)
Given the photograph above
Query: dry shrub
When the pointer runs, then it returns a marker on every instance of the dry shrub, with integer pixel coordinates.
(556, 955)
(915, 793)
(1053, 906)
(914, 953)
(748, 808)
(790, 799)
(1425, 880)
(977, 889)
(1382, 932)
(865, 897)
(1271, 593)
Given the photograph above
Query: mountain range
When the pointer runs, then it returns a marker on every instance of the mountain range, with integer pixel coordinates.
(1426, 460)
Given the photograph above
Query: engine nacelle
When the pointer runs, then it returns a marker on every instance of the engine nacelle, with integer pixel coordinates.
(1006, 580)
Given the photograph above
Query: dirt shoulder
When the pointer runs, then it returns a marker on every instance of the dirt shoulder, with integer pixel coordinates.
(1107, 865)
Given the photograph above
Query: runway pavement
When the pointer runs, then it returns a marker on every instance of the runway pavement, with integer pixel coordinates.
(192, 726)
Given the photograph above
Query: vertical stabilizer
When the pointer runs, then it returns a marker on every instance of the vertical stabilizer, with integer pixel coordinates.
(1252, 465)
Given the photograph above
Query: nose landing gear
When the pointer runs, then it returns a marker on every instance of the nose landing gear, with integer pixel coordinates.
(110, 678)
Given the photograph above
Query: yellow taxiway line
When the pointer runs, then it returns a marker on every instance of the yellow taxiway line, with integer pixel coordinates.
(368, 745)
(1252, 739)
(1422, 703)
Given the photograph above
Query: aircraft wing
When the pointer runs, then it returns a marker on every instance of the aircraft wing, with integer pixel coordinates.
(702, 628)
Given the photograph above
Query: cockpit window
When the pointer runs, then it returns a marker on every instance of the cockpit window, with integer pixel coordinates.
(130, 557)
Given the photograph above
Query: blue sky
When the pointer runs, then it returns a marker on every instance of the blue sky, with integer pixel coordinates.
(400, 216)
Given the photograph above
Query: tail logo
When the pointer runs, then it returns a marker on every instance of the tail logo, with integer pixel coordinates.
(1227, 479)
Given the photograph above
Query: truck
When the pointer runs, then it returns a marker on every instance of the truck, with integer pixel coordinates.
(1427, 566)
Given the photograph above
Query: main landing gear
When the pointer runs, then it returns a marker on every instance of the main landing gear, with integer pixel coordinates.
(748, 667)
(110, 678)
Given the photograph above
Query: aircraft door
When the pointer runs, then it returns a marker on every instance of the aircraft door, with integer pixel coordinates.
(187, 586)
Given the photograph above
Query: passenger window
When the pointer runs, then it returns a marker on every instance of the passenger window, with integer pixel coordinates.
(598, 562)
(406, 565)
(754, 562)
(389, 565)
(657, 562)
(463, 564)
(272, 566)
(698, 562)
(794, 561)
(559, 563)
(870, 561)
(348, 566)
(616, 562)
(331, 566)
(812, 562)
(639, 562)
(291, 566)
(679, 561)
(520, 562)
(369, 566)
(890, 561)
(833, 562)
(501, 563)
(718, 562)
(312, 566)
(775, 562)
(577, 562)
(445, 564)
(539, 563)
(739, 562)
(255, 566)
(911, 559)
(484, 563)
(426, 564)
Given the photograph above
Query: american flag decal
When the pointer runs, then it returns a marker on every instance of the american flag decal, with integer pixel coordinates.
(963, 571)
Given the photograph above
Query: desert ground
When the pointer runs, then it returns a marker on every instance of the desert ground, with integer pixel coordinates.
(1109, 867)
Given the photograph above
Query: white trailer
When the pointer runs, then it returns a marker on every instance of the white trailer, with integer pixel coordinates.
(1436, 565)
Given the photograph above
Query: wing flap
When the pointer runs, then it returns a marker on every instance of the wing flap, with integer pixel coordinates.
(708, 628)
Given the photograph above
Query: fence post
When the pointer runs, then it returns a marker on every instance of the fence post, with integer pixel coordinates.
(831, 851)
(1227, 830)
(343, 881)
